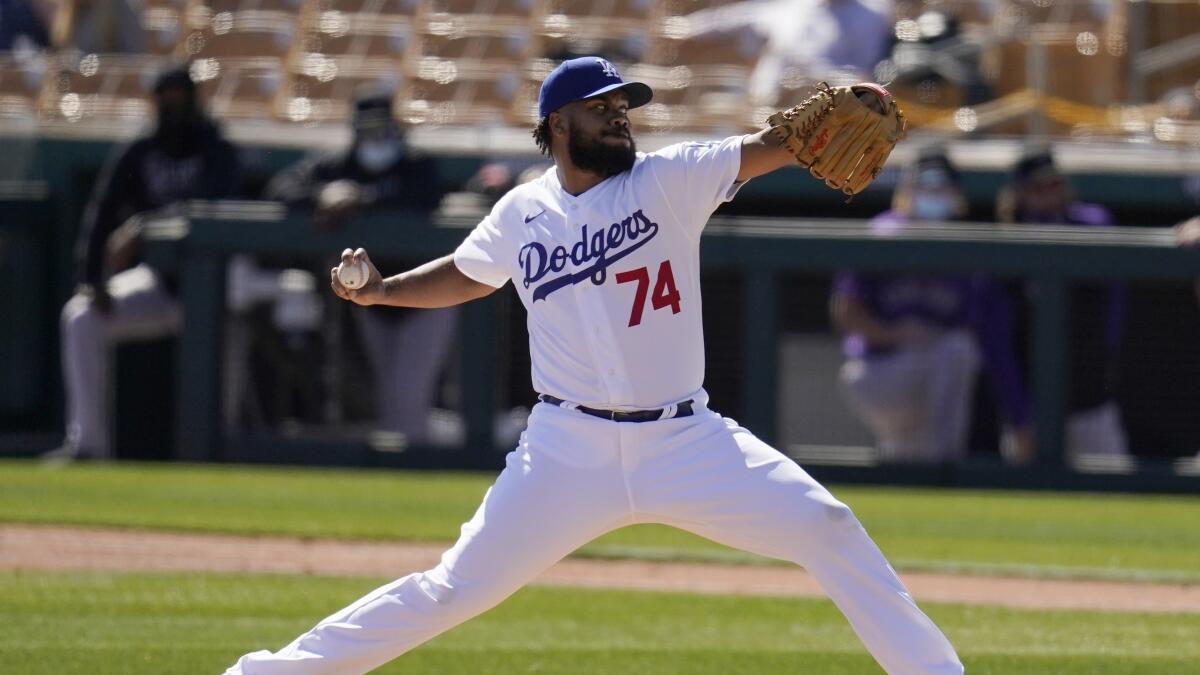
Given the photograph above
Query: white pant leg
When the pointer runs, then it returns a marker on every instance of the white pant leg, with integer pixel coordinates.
(561, 488)
(408, 356)
(953, 363)
(711, 477)
(1097, 431)
(142, 308)
(888, 393)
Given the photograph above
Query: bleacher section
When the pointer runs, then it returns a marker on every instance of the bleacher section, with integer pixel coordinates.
(1055, 66)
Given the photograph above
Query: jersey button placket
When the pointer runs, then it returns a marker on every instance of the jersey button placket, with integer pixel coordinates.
(586, 307)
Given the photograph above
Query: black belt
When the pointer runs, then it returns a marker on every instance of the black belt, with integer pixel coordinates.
(681, 409)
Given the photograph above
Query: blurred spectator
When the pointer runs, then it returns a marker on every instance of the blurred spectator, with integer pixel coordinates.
(407, 348)
(1038, 194)
(497, 177)
(492, 180)
(930, 62)
(913, 341)
(185, 157)
(815, 37)
(23, 24)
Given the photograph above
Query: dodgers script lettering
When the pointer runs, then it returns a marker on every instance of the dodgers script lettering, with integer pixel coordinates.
(590, 256)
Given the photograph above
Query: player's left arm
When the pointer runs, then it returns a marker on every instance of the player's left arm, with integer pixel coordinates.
(762, 153)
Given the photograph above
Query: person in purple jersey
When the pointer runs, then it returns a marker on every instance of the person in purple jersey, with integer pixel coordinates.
(1037, 193)
(913, 341)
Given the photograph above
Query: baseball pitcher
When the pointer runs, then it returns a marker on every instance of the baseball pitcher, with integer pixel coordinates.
(603, 250)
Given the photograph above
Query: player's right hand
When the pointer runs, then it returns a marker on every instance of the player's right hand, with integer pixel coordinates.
(372, 293)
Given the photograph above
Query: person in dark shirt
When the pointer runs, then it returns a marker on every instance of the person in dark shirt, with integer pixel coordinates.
(118, 297)
(1037, 193)
(914, 343)
(407, 348)
(377, 170)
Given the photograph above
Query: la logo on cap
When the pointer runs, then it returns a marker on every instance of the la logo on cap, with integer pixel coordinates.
(609, 69)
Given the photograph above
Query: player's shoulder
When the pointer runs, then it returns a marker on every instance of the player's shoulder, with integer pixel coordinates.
(688, 152)
(686, 149)
(519, 200)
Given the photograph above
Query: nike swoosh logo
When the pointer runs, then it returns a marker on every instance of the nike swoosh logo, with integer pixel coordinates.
(529, 218)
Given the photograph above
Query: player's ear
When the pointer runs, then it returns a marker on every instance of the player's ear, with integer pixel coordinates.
(558, 124)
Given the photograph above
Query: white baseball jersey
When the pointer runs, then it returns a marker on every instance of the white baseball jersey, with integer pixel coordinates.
(611, 277)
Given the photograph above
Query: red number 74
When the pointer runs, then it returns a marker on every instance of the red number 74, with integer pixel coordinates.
(665, 293)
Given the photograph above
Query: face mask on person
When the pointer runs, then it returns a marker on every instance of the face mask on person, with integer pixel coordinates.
(377, 155)
(926, 206)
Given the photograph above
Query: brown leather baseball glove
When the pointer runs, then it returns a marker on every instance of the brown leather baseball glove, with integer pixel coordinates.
(842, 135)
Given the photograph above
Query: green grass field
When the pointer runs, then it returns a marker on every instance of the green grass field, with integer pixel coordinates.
(197, 623)
(1035, 534)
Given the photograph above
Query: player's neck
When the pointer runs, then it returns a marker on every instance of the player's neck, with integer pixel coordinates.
(576, 181)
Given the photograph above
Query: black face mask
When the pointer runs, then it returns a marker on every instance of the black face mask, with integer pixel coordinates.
(599, 157)
(179, 128)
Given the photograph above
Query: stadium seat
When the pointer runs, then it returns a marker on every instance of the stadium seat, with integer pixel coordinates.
(474, 37)
(620, 40)
(243, 36)
(99, 85)
(392, 7)
(455, 92)
(630, 10)
(350, 38)
(522, 9)
(315, 98)
(242, 91)
(162, 26)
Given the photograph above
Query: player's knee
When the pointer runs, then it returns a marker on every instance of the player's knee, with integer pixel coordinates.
(451, 601)
(76, 313)
(823, 512)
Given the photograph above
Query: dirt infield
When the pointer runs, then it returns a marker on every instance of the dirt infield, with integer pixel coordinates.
(30, 547)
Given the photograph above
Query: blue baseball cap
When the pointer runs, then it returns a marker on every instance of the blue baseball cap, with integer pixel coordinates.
(585, 77)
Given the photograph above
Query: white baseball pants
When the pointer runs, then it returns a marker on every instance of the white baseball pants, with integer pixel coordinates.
(141, 309)
(571, 479)
(408, 356)
(917, 402)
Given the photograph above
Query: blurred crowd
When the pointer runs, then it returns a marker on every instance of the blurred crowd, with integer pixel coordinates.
(916, 347)
(960, 66)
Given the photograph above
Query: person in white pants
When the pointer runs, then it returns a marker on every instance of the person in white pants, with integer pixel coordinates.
(915, 342)
(378, 170)
(185, 157)
(603, 250)
(141, 308)
(408, 355)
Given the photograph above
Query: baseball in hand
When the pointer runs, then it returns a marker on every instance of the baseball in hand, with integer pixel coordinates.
(354, 275)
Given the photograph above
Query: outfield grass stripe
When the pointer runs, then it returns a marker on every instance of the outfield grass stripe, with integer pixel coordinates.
(151, 624)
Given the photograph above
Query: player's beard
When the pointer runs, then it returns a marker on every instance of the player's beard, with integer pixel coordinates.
(597, 156)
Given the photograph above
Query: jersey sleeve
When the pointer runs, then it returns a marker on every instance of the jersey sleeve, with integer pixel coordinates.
(696, 178)
(482, 256)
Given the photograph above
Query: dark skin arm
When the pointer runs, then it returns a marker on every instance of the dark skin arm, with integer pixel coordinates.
(437, 283)
(762, 153)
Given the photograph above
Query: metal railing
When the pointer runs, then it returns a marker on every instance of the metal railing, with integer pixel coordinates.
(195, 247)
